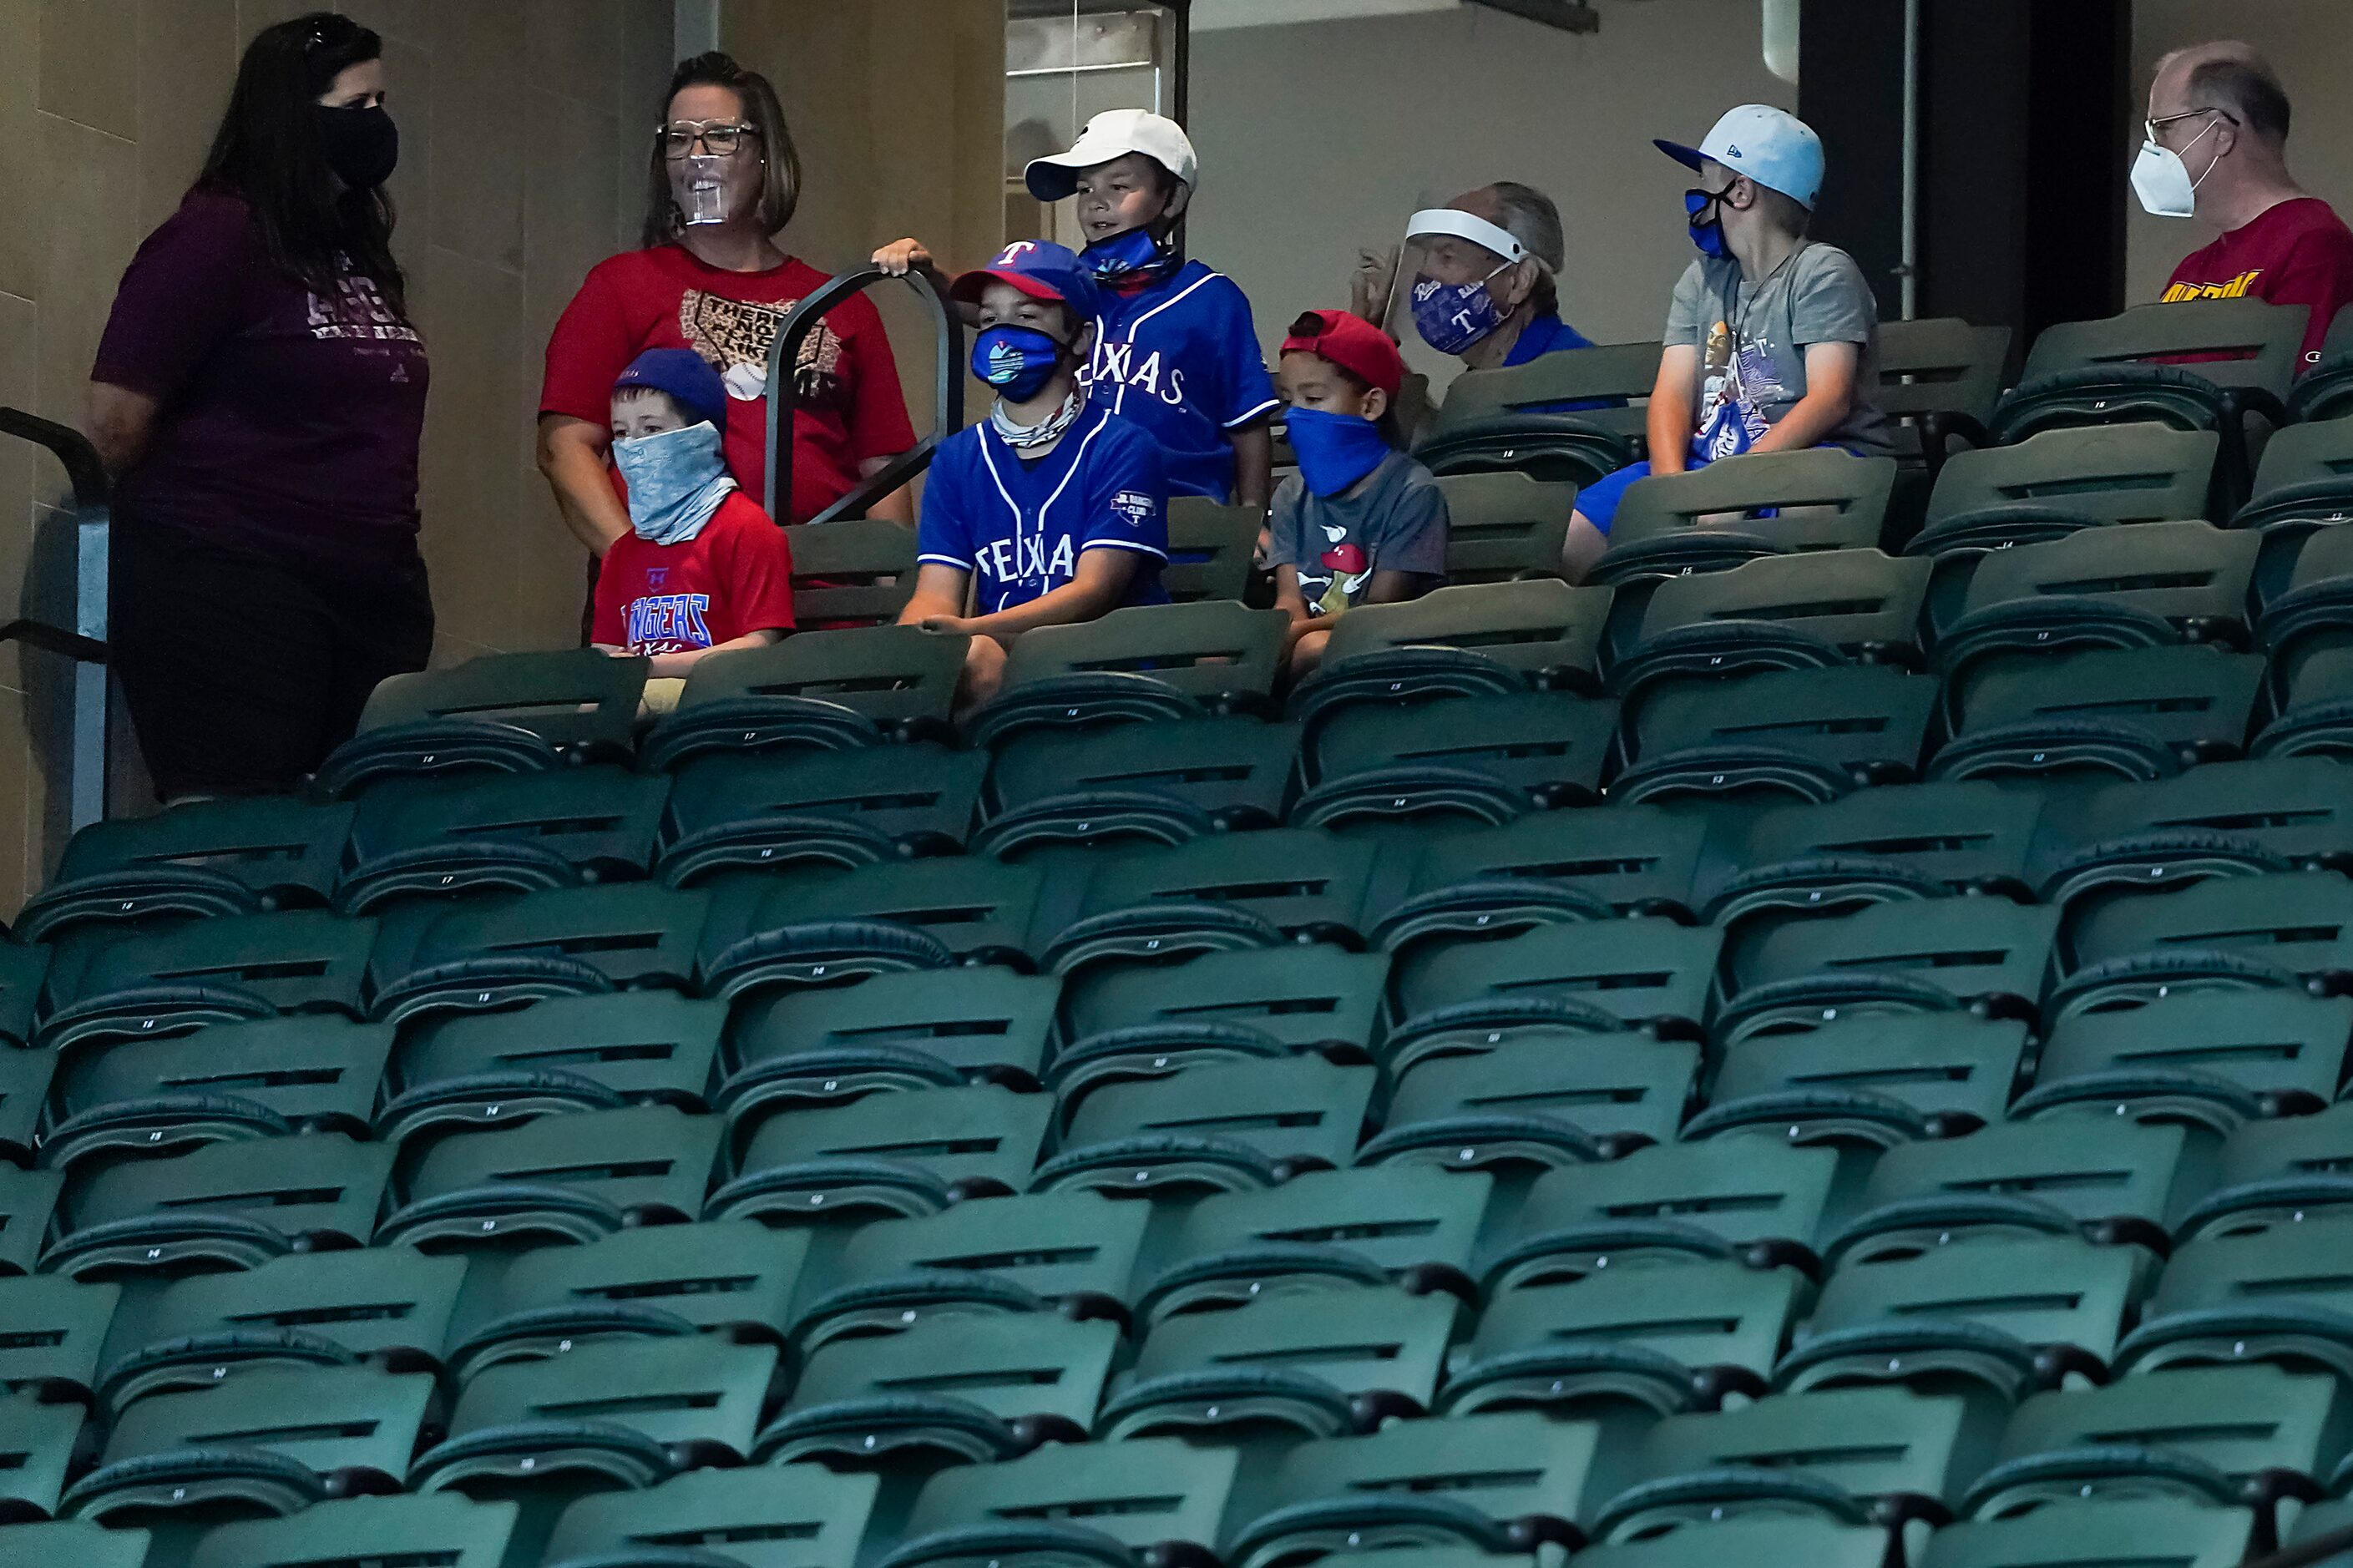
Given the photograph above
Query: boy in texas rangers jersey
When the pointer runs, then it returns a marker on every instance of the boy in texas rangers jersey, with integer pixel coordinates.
(1177, 352)
(1054, 508)
(702, 569)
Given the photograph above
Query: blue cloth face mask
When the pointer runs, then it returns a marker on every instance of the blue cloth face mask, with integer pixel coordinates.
(1016, 361)
(1450, 317)
(1334, 450)
(1131, 257)
(1708, 232)
(676, 481)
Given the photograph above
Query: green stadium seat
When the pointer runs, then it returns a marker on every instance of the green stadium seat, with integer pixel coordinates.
(447, 1531)
(24, 970)
(77, 1542)
(1778, 612)
(1846, 1456)
(847, 808)
(1311, 996)
(800, 1516)
(576, 1175)
(1137, 1500)
(234, 1204)
(1050, 789)
(1671, 1203)
(1638, 859)
(315, 1071)
(1954, 1065)
(482, 954)
(1143, 662)
(262, 1445)
(1502, 527)
(2284, 1045)
(1940, 378)
(1809, 733)
(38, 1443)
(2050, 485)
(1495, 419)
(2265, 1293)
(1615, 1084)
(502, 713)
(2301, 921)
(1209, 549)
(736, 1279)
(2277, 1171)
(1466, 640)
(978, 1022)
(814, 690)
(25, 1078)
(901, 1153)
(971, 1386)
(2311, 620)
(639, 1045)
(854, 572)
(1576, 1342)
(429, 838)
(300, 961)
(1323, 1230)
(2320, 394)
(282, 852)
(1998, 1318)
(978, 909)
(2095, 1534)
(1321, 1364)
(1705, 519)
(1219, 1126)
(28, 1204)
(2113, 372)
(1637, 970)
(1477, 759)
(386, 1306)
(56, 1336)
(2040, 715)
(1929, 954)
(2195, 1433)
(2131, 1180)
(2303, 486)
(1222, 892)
(1076, 1251)
(2225, 816)
(1494, 1484)
(1745, 1539)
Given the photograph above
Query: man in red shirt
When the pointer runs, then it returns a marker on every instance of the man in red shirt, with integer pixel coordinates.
(2217, 147)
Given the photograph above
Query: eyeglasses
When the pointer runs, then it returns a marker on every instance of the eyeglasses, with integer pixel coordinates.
(720, 138)
(2149, 126)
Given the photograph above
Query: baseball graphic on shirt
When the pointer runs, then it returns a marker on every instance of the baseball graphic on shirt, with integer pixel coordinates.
(736, 335)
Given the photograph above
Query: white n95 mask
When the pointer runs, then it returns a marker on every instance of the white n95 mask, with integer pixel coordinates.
(2161, 180)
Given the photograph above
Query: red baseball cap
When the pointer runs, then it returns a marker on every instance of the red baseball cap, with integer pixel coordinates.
(1353, 343)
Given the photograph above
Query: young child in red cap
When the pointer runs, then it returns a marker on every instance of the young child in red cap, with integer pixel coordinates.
(1360, 522)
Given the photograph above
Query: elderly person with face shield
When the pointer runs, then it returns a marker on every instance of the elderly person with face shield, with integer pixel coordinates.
(2217, 151)
(1476, 275)
(724, 179)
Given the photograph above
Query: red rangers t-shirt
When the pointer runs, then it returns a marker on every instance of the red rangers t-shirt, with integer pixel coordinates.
(2296, 253)
(734, 577)
(851, 407)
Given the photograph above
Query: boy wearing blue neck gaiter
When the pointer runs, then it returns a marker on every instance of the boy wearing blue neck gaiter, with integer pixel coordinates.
(703, 568)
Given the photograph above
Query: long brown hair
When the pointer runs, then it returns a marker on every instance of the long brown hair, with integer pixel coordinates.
(780, 183)
(268, 150)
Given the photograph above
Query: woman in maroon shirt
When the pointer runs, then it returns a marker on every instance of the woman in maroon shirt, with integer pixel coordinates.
(259, 393)
(723, 178)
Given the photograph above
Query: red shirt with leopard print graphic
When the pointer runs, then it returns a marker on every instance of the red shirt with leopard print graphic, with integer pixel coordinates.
(851, 407)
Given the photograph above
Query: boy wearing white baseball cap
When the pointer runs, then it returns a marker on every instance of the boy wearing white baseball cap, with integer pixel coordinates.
(1772, 342)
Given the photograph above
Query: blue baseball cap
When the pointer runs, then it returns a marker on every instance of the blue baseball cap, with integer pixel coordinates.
(1770, 146)
(1040, 269)
(685, 375)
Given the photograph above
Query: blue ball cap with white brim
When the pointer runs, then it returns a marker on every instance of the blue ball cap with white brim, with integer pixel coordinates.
(1769, 146)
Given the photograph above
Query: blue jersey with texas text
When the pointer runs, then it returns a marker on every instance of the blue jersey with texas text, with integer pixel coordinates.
(1019, 526)
(1181, 358)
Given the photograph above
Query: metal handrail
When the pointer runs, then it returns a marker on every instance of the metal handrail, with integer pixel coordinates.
(947, 407)
(85, 643)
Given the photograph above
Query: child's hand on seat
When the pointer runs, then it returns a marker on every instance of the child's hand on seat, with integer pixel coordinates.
(901, 256)
(942, 624)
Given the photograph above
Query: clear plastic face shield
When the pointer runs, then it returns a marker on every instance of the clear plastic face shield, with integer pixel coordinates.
(701, 153)
(1452, 279)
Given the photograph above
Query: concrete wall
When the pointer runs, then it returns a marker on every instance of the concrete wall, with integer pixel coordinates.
(1317, 139)
(2310, 44)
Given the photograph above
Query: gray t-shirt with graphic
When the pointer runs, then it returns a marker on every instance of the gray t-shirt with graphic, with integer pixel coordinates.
(1753, 338)
(1396, 523)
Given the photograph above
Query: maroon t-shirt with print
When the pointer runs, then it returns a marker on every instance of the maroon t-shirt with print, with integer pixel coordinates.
(287, 419)
(845, 385)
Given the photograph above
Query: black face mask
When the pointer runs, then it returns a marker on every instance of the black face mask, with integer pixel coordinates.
(363, 145)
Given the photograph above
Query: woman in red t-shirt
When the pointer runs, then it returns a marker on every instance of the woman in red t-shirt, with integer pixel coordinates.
(723, 180)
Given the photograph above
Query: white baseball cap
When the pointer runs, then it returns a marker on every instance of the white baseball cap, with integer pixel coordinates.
(1769, 146)
(1114, 133)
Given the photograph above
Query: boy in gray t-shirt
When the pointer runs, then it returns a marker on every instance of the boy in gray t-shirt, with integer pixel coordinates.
(1360, 522)
(1772, 342)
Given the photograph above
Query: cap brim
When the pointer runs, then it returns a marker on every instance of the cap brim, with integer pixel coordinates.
(968, 284)
(1690, 157)
(1055, 177)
